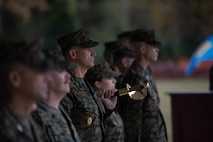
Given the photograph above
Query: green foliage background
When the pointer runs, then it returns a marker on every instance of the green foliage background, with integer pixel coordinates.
(180, 25)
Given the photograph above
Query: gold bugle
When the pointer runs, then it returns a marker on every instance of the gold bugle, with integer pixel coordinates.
(134, 92)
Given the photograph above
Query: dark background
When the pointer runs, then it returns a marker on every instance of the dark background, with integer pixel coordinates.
(180, 24)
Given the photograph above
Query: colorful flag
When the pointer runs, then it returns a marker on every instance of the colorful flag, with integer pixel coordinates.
(204, 52)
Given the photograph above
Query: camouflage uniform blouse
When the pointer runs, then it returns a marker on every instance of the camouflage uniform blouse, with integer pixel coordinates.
(114, 129)
(55, 127)
(14, 128)
(86, 110)
(143, 119)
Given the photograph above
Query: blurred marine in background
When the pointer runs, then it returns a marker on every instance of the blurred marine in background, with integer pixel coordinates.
(143, 120)
(23, 82)
(123, 59)
(53, 120)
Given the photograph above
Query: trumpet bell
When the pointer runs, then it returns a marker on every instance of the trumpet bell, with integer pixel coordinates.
(136, 95)
(134, 92)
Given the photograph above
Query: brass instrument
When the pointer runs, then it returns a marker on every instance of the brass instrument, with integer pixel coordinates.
(134, 92)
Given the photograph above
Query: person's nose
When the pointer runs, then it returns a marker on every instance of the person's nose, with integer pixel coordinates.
(67, 75)
(93, 52)
(114, 80)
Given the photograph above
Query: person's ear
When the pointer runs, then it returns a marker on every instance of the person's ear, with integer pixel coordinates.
(97, 84)
(14, 78)
(124, 62)
(143, 48)
(72, 53)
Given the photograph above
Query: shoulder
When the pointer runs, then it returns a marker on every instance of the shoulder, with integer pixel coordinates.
(42, 114)
(135, 75)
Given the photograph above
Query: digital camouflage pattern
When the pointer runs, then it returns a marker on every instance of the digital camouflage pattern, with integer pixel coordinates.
(114, 129)
(14, 128)
(55, 127)
(143, 119)
(86, 110)
(99, 71)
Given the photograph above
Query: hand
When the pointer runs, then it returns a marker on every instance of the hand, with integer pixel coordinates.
(107, 98)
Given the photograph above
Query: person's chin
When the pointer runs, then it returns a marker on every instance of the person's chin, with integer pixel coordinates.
(68, 89)
(43, 96)
(91, 65)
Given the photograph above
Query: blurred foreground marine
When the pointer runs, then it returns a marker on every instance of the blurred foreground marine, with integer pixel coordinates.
(83, 104)
(54, 121)
(143, 119)
(22, 83)
(101, 77)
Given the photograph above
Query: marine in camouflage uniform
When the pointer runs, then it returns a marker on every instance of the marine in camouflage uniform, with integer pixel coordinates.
(85, 109)
(123, 59)
(26, 63)
(102, 74)
(17, 128)
(83, 104)
(56, 124)
(109, 48)
(143, 119)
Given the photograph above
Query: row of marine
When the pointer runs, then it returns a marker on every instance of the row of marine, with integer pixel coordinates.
(59, 94)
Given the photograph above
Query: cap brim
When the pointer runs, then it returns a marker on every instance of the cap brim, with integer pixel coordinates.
(158, 43)
(89, 44)
(113, 74)
(116, 74)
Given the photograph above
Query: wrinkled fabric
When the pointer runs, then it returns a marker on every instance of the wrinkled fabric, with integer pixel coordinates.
(114, 129)
(86, 110)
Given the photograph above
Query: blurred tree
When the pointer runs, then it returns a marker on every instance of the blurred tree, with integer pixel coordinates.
(180, 24)
(16, 12)
(41, 19)
(61, 18)
(100, 19)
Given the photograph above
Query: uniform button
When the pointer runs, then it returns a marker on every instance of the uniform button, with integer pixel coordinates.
(20, 128)
(89, 121)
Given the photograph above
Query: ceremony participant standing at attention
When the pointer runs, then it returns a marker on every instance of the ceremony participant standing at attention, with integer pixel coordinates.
(109, 48)
(124, 39)
(83, 104)
(123, 59)
(54, 121)
(23, 82)
(143, 119)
